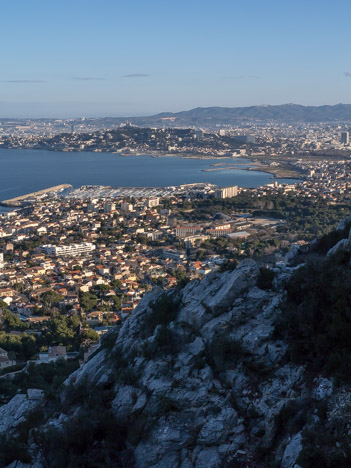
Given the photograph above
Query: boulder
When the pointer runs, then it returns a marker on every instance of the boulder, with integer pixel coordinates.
(292, 451)
(344, 245)
(15, 411)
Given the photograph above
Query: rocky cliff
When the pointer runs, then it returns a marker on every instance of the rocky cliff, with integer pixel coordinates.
(207, 376)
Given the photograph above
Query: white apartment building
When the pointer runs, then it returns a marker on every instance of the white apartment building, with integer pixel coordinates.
(183, 231)
(70, 250)
(151, 202)
(227, 192)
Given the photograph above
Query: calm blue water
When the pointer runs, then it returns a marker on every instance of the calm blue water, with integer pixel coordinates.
(25, 171)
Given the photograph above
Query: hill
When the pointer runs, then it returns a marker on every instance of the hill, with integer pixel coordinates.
(212, 116)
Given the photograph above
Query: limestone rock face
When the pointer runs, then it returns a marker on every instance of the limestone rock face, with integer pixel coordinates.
(292, 451)
(15, 411)
(342, 245)
(208, 387)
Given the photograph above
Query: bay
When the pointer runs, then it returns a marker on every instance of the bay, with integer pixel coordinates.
(25, 171)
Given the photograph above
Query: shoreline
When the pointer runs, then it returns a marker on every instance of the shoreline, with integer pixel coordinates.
(150, 154)
(277, 173)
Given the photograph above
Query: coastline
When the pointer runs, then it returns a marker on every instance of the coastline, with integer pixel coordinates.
(126, 154)
(277, 172)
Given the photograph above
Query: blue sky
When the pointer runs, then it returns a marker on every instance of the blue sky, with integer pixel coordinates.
(139, 57)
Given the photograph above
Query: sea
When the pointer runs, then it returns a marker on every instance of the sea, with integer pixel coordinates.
(25, 171)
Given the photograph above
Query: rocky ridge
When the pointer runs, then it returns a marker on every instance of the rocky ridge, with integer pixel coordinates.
(199, 378)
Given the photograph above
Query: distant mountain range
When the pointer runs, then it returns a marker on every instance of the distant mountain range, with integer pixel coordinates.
(212, 116)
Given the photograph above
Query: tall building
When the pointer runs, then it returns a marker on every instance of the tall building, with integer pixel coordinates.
(227, 192)
(345, 138)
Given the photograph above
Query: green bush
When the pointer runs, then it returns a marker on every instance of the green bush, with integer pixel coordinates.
(109, 340)
(265, 279)
(326, 445)
(11, 449)
(316, 317)
(223, 352)
(330, 239)
(48, 377)
(91, 438)
(163, 311)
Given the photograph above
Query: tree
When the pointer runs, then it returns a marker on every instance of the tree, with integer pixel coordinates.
(117, 302)
(102, 288)
(12, 321)
(116, 284)
(61, 331)
(89, 334)
(51, 298)
(88, 301)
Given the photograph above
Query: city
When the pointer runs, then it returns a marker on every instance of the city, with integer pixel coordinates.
(94, 251)
(175, 234)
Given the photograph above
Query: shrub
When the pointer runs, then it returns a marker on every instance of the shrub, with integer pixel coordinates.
(265, 279)
(91, 438)
(223, 351)
(11, 449)
(316, 318)
(109, 340)
(326, 445)
(147, 350)
(228, 265)
(328, 241)
(163, 311)
(127, 375)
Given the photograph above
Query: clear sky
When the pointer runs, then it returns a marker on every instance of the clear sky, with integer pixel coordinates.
(139, 57)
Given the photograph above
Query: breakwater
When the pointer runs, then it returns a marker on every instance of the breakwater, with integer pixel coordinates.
(29, 197)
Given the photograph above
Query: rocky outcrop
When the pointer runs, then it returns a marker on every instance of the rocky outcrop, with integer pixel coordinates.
(15, 412)
(210, 385)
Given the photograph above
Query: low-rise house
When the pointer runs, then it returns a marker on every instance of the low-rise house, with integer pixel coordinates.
(5, 361)
(54, 353)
